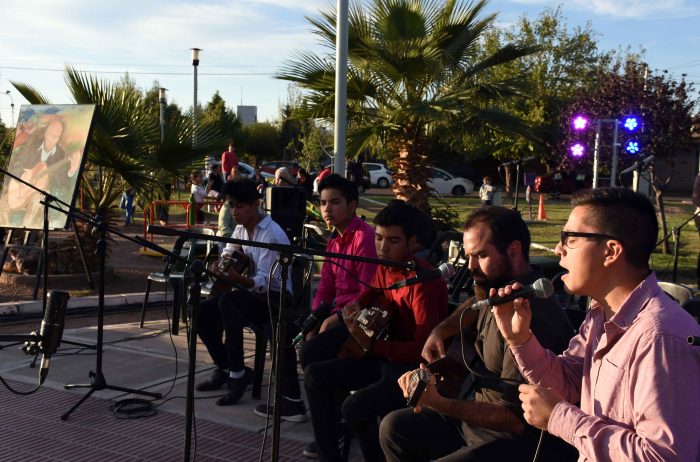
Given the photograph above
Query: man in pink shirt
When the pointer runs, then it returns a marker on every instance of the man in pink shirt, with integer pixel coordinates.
(630, 367)
(229, 163)
(343, 280)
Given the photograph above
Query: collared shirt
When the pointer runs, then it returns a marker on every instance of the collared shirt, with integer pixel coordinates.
(339, 278)
(419, 308)
(268, 232)
(44, 153)
(636, 376)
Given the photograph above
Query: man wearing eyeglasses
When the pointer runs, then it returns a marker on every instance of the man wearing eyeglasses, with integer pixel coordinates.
(630, 367)
(490, 426)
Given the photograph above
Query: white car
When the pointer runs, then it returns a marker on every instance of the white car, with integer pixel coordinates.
(445, 183)
(378, 174)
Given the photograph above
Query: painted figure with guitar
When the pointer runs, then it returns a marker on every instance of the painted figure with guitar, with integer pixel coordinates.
(380, 337)
(490, 426)
(246, 304)
(45, 164)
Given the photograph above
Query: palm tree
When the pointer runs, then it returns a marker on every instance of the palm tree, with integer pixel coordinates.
(125, 144)
(413, 73)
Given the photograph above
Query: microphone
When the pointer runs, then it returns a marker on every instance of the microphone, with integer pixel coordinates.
(541, 288)
(316, 316)
(445, 271)
(519, 161)
(51, 329)
(639, 165)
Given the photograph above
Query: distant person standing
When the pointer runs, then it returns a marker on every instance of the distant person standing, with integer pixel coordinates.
(127, 203)
(229, 163)
(696, 202)
(486, 192)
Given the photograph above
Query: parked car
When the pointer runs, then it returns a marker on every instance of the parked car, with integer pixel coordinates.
(378, 174)
(271, 166)
(446, 183)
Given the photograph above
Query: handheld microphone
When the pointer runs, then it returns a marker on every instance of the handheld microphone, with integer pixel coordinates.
(316, 316)
(541, 288)
(639, 165)
(445, 271)
(51, 329)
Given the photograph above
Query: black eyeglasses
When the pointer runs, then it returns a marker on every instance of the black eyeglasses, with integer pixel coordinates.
(565, 235)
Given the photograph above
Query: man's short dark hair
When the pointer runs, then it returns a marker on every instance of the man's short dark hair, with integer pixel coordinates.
(624, 214)
(506, 226)
(398, 213)
(346, 188)
(242, 190)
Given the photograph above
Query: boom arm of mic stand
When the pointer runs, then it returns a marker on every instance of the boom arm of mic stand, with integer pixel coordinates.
(165, 231)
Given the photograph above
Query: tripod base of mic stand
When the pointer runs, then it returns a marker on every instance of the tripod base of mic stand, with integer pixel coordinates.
(99, 383)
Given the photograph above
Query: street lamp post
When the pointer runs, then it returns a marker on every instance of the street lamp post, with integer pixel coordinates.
(12, 108)
(162, 100)
(195, 63)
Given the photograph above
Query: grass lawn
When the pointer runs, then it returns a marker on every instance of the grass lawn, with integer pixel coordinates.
(546, 233)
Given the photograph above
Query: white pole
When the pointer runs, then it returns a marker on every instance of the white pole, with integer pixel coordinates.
(613, 166)
(341, 87)
(596, 154)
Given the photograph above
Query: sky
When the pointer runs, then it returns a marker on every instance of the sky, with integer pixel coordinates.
(244, 42)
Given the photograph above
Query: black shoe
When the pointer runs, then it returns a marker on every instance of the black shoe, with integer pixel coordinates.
(217, 380)
(311, 450)
(236, 388)
(292, 411)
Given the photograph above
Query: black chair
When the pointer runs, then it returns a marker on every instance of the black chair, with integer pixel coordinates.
(172, 274)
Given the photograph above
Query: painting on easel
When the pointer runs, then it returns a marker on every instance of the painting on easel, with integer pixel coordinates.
(49, 152)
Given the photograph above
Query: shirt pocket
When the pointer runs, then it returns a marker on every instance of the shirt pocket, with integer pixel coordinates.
(610, 392)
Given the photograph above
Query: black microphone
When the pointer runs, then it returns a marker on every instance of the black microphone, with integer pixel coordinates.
(541, 288)
(445, 271)
(319, 314)
(639, 165)
(51, 330)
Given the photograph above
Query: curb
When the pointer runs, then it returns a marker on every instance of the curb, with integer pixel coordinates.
(36, 306)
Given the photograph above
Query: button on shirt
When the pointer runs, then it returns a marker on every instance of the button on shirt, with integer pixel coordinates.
(268, 232)
(339, 278)
(636, 377)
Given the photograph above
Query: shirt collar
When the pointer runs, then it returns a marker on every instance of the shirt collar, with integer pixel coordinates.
(353, 226)
(636, 302)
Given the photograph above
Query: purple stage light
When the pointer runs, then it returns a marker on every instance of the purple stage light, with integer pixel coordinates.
(577, 150)
(580, 123)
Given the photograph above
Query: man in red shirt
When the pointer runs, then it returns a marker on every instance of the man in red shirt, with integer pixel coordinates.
(229, 163)
(417, 310)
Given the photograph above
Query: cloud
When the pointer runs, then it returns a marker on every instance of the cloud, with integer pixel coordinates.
(634, 9)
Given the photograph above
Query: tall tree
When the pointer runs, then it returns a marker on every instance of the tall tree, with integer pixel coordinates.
(413, 68)
(663, 105)
(567, 61)
(219, 117)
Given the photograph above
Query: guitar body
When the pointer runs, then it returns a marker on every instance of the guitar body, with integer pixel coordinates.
(21, 195)
(225, 269)
(371, 324)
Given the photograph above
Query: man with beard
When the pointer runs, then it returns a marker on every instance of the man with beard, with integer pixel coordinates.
(491, 426)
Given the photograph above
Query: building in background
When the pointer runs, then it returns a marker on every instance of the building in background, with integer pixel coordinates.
(247, 114)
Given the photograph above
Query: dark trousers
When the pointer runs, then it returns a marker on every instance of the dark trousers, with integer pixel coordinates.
(409, 437)
(231, 312)
(328, 381)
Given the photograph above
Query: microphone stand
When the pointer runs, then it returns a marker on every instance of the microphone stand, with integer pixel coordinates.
(48, 200)
(285, 259)
(676, 233)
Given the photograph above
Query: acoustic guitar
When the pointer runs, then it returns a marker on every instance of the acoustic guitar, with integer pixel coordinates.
(226, 269)
(370, 325)
(20, 195)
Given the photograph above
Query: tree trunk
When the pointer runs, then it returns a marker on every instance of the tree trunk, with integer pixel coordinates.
(411, 175)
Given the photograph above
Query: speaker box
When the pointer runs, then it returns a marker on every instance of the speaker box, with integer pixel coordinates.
(292, 223)
(286, 199)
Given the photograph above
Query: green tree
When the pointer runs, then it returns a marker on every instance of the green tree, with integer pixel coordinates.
(662, 103)
(125, 143)
(567, 61)
(219, 117)
(262, 141)
(413, 69)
